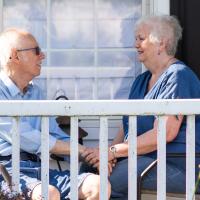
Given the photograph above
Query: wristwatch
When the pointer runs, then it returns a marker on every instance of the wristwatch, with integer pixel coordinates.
(113, 150)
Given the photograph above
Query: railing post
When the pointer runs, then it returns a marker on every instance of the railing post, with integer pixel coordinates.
(132, 158)
(190, 157)
(103, 158)
(45, 157)
(74, 158)
(161, 168)
(15, 154)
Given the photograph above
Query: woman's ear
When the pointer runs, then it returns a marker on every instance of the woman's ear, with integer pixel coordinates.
(163, 43)
(162, 46)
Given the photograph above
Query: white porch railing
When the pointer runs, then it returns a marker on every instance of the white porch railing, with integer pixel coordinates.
(104, 109)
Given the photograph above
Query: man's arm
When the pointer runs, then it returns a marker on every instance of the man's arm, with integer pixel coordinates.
(63, 148)
(30, 138)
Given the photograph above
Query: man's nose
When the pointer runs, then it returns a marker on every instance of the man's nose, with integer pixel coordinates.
(42, 55)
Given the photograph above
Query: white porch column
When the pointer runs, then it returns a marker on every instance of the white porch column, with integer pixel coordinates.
(161, 7)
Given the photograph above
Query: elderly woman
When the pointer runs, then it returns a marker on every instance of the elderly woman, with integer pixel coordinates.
(156, 39)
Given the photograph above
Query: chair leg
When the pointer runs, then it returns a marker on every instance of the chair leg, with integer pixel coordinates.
(6, 176)
(139, 188)
(142, 176)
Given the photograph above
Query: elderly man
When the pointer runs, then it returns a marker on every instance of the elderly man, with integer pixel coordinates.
(21, 60)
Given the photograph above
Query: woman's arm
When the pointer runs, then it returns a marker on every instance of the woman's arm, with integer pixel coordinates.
(147, 142)
(119, 138)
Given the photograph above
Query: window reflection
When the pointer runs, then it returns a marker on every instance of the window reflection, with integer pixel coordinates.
(29, 15)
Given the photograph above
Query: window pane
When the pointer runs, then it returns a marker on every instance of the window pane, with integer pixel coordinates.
(120, 35)
(72, 26)
(122, 87)
(119, 9)
(121, 16)
(72, 34)
(60, 86)
(72, 58)
(42, 82)
(116, 59)
(29, 15)
(85, 89)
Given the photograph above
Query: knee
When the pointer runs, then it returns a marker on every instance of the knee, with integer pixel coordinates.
(53, 193)
(109, 190)
(94, 187)
(91, 188)
(95, 193)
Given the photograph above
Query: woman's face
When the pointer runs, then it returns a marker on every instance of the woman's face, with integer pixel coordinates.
(145, 48)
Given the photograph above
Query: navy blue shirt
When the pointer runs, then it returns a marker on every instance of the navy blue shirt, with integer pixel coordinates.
(176, 82)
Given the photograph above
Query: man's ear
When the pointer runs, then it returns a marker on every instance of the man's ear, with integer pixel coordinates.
(14, 55)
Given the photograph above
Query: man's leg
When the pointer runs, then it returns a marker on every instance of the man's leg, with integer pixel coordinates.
(89, 189)
(88, 184)
(54, 194)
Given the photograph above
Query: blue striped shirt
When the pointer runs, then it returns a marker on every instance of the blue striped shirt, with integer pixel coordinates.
(30, 127)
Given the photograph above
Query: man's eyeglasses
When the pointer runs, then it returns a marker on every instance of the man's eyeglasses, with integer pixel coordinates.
(37, 50)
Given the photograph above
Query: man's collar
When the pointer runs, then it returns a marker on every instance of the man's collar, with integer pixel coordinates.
(12, 87)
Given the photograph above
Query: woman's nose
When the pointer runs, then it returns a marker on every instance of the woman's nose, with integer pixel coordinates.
(136, 43)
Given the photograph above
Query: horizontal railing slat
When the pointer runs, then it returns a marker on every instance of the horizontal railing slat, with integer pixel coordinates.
(100, 107)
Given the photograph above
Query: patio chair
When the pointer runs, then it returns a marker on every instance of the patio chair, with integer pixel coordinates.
(148, 169)
(64, 124)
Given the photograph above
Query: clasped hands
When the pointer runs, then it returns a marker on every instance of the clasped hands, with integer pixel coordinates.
(92, 157)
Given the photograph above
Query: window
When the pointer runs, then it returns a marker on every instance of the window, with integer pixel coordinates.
(89, 44)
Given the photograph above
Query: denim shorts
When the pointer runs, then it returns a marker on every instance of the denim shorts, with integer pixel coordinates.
(30, 177)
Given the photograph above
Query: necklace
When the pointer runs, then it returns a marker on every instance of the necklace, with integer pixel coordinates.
(169, 62)
(153, 79)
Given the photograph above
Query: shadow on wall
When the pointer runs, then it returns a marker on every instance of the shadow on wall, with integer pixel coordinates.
(128, 41)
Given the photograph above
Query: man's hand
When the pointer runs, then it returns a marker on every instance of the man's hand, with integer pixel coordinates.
(111, 165)
(91, 155)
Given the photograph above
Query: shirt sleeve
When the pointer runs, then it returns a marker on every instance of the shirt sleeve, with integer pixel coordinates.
(30, 138)
(179, 85)
(56, 131)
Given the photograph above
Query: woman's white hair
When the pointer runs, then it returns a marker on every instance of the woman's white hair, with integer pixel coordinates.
(163, 27)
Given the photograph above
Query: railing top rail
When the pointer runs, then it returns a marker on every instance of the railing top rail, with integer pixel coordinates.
(99, 107)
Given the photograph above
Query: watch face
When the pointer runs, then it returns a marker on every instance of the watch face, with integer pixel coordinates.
(113, 149)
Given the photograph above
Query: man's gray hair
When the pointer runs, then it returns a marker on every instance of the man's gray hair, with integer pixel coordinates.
(163, 27)
(9, 39)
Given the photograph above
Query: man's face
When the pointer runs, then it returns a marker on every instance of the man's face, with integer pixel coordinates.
(30, 58)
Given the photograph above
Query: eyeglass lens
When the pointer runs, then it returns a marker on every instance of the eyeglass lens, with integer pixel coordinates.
(37, 50)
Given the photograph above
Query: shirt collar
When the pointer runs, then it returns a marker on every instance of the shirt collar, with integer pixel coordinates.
(13, 89)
